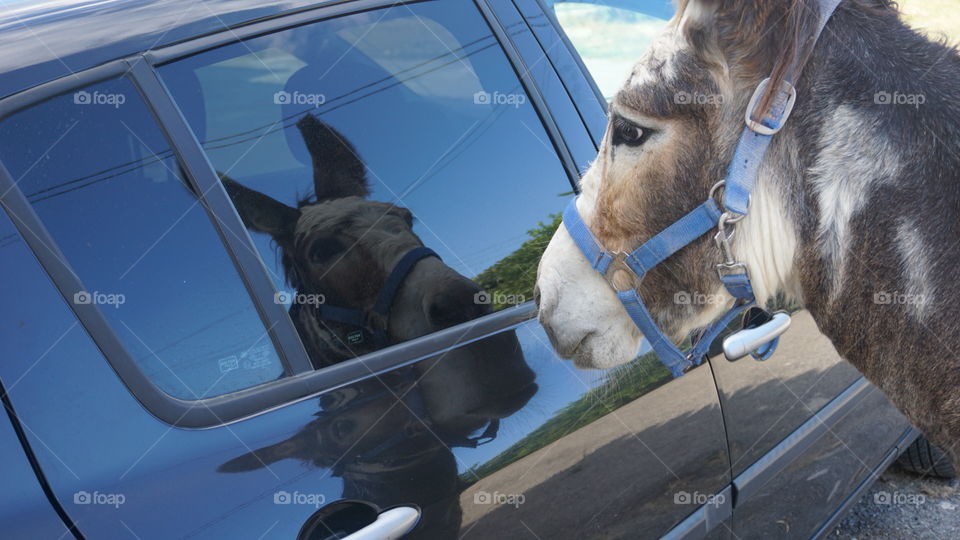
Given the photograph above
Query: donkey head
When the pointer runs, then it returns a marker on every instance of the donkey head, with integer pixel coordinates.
(673, 128)
(344, 247)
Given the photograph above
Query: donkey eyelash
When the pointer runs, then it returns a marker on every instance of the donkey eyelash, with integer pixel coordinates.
(630, 134)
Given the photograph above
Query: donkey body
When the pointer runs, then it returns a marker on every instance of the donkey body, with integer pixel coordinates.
(856, 212)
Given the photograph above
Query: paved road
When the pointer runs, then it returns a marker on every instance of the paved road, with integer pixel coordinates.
(902, 505)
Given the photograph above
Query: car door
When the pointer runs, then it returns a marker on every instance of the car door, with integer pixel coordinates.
(159, 361)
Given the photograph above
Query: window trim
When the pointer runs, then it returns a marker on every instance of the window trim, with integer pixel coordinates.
(578, 60)
(224, 217)
(532, 89)
(300, 384)
(597, 131)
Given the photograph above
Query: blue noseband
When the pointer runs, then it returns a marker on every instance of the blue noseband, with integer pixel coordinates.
(709, 216)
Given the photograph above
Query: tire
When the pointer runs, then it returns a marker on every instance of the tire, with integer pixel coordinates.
(922, 457)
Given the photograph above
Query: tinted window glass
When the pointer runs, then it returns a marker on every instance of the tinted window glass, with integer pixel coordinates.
(347, 143)
(611, 39)
(106, 185)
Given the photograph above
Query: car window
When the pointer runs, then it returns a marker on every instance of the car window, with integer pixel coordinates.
(611, 35)
(348, 144)
(105, 183)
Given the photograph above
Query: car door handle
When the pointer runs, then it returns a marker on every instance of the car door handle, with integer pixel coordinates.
(389, 525)
(740, 344)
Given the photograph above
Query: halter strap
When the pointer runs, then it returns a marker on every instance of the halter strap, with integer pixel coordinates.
(396, 278)
(754, 141)
(681, 233)
(360, 318)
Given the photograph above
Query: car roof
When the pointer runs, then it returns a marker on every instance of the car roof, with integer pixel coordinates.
(44, 40)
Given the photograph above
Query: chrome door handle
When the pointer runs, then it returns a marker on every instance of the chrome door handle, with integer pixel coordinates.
(740, 344)
(390, 524)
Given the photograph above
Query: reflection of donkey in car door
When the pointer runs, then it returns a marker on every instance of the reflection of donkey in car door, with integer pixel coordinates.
(346, 249)
(387, 453)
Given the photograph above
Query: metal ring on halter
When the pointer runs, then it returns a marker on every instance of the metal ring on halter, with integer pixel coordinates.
(619, 262)
(717, 187)
(731, 217)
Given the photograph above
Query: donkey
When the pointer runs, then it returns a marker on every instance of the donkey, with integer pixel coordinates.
(856, 211)
(342, 248)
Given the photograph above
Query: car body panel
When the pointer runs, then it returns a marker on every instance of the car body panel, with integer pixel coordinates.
(162, 472)
(25, 510)
(618, 453)
(43, 41)
(824, 475)
(763, 402)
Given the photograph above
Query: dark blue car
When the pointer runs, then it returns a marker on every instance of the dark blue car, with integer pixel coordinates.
(268, 272)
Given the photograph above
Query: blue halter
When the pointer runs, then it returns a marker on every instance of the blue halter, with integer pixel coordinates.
(737, 187)
(362, 319)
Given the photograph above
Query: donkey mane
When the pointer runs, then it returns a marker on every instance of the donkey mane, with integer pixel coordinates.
(748, 35)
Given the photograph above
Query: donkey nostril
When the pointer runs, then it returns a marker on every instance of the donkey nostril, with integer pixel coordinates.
(536, 296)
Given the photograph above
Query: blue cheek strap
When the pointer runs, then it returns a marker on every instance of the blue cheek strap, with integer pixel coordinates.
(680, 234)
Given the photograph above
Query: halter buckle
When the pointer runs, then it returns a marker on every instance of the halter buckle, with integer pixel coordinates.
(619, 262)
(757, 126)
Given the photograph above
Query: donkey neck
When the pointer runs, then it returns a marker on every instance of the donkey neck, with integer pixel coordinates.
(869, 170)
(862, 192)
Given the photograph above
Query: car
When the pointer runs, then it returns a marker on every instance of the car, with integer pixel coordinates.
(268, 273)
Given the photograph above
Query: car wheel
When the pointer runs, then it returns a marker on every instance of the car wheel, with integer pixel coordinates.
(923, 457)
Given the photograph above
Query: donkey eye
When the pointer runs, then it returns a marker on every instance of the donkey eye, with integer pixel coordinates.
(324, 249)
(628, 133)
(633, 133)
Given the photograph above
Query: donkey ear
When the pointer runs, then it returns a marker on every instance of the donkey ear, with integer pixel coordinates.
(262, 213)
(337, 169)
(754, 38)
(698, 13)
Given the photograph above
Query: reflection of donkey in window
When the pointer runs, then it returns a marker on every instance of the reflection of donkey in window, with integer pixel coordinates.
(348, 251)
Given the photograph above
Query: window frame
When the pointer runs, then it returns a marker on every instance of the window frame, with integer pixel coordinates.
(301, 381)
